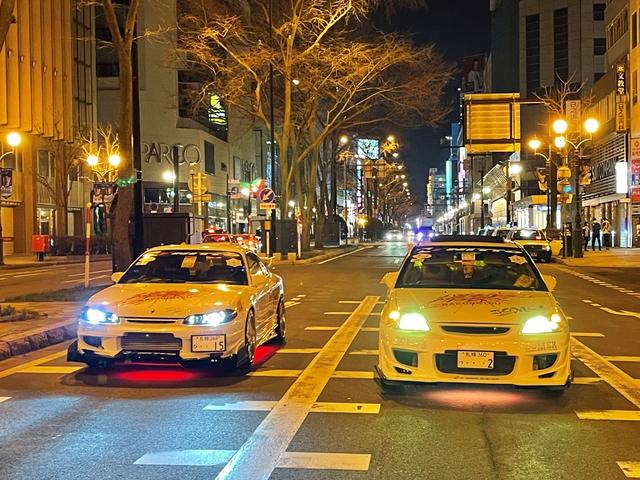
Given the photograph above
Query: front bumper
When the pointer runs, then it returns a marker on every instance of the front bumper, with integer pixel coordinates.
(155, 340)
(430, 357)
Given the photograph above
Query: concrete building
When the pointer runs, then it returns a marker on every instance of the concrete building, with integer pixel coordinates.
(47, 94)
(211, 139)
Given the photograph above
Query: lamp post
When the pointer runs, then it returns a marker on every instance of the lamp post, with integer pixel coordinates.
(13, 139)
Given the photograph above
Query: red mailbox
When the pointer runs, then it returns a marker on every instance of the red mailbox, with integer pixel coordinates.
(40, 243)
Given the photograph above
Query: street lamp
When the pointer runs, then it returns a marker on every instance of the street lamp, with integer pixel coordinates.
(560, 126)
(13, 139)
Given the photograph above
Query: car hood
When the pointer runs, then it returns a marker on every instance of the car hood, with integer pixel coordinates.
(542, 243)
(167, 300)
(508, 307)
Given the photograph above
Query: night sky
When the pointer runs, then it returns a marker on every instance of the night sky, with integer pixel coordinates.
(459, 28)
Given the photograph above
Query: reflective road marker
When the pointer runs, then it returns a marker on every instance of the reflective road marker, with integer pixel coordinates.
(630, 469)
(310, 460)
(626, 415)
(318, 407)
(262, 452)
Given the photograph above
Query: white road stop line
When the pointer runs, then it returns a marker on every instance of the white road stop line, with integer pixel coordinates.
(307, 460)
(317, 407)
(265, 448)
(624, 415)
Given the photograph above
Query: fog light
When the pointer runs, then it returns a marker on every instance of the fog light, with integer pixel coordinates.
(540, 362)
(93, 341)
(406, 358)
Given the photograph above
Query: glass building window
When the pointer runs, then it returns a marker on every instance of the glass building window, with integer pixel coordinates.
(561, 43)
(599, 46)
(634, 30)
(532, 50)
(209, 158)
(598, 11)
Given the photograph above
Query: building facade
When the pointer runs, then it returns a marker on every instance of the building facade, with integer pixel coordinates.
(47, 95)
(634, 126)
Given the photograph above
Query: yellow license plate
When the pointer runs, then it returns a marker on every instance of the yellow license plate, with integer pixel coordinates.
(475, 359)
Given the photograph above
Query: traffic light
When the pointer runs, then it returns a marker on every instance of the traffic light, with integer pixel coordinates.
(564, 186)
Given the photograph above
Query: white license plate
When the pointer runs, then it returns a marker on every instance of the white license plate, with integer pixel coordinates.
(208, 343)
(472, 359)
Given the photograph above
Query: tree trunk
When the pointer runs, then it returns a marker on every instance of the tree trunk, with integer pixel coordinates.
(6, 14)
(123, 209)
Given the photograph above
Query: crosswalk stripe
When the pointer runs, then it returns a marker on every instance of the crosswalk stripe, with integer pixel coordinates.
(50, 369)
(298, 350)
(18, 368)
(301, 460)
(290, 303)
(630, 469)
(586, 380)
(621, 358)
(365, 351)
(4, 399)
(274, 373)
(353, 374)
(317, 407)
(363, 329)
(626, 415)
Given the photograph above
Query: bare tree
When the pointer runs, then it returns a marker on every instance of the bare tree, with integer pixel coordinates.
(6, 18)
(122, 40)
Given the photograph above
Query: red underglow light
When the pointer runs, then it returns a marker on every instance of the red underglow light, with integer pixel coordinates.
(264, 353)
(473, 397)
(156, 374)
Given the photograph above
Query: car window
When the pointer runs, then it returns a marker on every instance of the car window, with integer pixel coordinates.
(501, 233)
(255, 265)
(168, 266)
(216, 238)
(469, 268)
(528, 235)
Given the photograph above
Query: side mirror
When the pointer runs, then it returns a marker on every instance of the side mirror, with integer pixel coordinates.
(268, 261)
(550, 281)
(390, 279)
(116, 276)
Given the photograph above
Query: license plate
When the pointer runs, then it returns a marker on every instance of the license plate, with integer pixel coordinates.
(208, 343)
(472, 359)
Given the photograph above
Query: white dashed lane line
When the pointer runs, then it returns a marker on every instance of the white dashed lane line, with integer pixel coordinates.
(601, 283)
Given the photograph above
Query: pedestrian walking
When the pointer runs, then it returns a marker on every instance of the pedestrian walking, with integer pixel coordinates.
(586, 233)
(595, 235)
(606, 234)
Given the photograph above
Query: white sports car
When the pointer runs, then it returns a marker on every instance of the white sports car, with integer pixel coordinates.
(210, 302)
(472, 310)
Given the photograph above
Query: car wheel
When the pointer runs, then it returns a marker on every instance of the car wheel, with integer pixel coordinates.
(281, 324)
(246, 354)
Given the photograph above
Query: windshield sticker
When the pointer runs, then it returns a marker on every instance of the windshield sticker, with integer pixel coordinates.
(146, 259)
(518, 259)
(189, 262)
(233, 262)
(468, 257)
(419, 257)
(524, 281)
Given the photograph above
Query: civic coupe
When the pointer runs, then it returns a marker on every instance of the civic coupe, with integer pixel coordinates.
(472, 310)
(191, 303)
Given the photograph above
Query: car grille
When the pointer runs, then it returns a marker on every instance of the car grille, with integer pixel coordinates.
(533, 248)
(150, 320)
(447, 362)
(150, 342)
(483, 330)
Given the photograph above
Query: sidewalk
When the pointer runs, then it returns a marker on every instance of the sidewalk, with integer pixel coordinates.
(56, 324)
(26, 260)
(614, 258)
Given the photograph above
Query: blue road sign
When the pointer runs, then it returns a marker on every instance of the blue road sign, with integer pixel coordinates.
(267, 195)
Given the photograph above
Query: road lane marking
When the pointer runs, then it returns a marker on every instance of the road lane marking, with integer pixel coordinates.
(91, 272)
(356, 302)
(365, 351)
(302, 295)
(300, 460)
(317, 407)
(353, 375)
(624, 415)
(630, 469)
(345, 254)
(586, 380)
(586, 334)
(4, 399)
(50, 369)
(290, 303)
(621, 358)
(262, 451)
(298, 350)
(372, 314)
(33, 363)
(25, 275)
(274, 373)
(618, 379)
(80, 280)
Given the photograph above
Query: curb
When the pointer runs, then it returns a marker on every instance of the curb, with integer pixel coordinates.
(24, 342)
(318, 258)
(52, 263)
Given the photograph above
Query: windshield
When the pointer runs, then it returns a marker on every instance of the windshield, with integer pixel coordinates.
(528, 235)
(187, 267)
(501, 233)
(475, 268)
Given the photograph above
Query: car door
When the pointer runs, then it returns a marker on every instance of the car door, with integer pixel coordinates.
(261, 285)
(273, 290)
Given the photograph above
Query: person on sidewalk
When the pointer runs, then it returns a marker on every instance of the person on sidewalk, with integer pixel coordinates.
(595, 235)
(606, 234)
(586, 233)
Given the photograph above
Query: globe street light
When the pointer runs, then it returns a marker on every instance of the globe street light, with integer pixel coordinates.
(591, 125)
(560, 142)
(534, 144)
(13, 139)
(114, 160)
(560, 126)
(92, 160)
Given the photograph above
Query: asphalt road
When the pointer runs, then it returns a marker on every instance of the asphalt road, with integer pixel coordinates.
(23, 281)
(291, 418)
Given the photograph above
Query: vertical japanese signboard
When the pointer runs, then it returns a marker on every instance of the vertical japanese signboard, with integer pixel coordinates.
(621, 95)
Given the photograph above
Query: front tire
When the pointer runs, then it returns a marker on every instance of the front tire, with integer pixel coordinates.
(247, 353)
(281, 324)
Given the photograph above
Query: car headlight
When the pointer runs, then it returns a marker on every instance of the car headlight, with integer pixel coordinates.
(542, 324)
(211, 319)
(97, 316)
(412, 321)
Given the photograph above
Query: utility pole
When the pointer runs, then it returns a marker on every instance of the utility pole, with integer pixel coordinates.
(482, 198)
(176, 179)
(138, 186)
(272, 137)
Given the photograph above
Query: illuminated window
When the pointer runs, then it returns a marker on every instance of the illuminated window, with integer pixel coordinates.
(217, 113)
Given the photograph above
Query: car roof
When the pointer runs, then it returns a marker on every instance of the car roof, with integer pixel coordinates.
(203, 247)
(471, 241)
